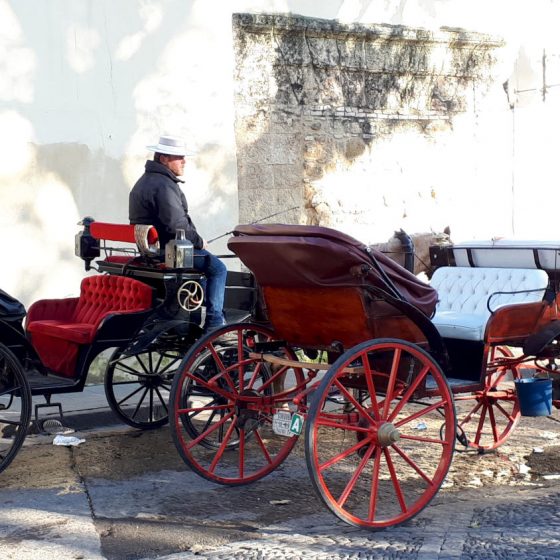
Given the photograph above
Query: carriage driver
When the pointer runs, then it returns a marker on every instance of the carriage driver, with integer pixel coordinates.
(156, 199)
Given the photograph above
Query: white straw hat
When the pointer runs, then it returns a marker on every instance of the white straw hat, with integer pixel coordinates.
(171, 146)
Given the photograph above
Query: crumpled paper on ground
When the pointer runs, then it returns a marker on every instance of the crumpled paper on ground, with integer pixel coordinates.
(67, 440)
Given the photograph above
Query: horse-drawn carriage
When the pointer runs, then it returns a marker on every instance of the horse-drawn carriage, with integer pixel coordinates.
(385, 374)
(355, 357)
(145, 312)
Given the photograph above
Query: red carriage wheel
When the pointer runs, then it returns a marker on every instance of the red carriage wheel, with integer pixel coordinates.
(222, 405)
(486, 418)
(378, 453)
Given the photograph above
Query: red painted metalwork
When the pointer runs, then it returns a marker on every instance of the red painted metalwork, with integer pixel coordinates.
(379, 458)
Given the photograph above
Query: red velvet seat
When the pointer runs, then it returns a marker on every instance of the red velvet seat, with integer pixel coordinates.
(58, 327)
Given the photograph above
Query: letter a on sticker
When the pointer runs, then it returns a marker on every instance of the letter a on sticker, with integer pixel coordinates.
(296, 425)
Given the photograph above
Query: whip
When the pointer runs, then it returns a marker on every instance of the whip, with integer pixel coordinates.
(255, 222)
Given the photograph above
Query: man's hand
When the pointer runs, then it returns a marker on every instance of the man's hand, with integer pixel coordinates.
(204, 245)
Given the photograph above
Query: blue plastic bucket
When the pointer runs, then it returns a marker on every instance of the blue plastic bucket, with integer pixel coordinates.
(535, 396)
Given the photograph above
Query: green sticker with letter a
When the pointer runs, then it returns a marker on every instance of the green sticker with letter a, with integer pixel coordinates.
(296, 424)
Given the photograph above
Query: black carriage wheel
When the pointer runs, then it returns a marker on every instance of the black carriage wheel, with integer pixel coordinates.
(137, 387)
(15, 406)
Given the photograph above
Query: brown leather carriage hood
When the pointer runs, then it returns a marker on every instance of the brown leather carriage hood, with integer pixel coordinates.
(297, 256)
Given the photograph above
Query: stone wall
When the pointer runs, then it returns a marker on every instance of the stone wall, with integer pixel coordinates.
(365, 128)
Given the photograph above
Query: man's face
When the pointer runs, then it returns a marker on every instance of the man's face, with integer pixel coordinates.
(176, 164)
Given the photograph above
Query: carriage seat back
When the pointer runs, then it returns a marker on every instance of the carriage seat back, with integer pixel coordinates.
(466, 294)
(57, 327)
(144, 236)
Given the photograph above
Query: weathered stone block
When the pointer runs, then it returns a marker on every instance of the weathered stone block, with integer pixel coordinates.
(285, 148)
(347, 117)
(255, 176)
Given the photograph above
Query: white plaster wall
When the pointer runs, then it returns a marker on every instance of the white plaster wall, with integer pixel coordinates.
(85, 85)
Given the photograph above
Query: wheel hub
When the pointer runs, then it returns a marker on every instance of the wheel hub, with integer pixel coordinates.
(246, 418)
(152, 381)
(387, 434)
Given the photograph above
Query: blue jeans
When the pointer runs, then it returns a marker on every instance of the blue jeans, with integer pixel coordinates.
(216, 272)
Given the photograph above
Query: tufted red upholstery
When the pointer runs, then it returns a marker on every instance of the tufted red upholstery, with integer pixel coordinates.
(58, 326)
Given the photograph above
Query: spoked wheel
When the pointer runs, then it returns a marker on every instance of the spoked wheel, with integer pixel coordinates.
(15, 406)
(137, 387)
(486, 418)
(379, 454)
(222, 404)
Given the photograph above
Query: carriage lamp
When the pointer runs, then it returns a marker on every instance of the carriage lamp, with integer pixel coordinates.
(179, 252)
(85, 245)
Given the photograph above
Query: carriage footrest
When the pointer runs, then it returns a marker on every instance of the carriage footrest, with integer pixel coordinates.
(455, 384)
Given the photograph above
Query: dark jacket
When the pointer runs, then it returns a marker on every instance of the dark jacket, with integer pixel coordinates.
(157, 200)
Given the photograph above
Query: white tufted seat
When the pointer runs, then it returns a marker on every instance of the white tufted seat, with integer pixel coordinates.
(462, 310)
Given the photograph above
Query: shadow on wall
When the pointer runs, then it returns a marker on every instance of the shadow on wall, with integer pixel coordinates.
(96, 180)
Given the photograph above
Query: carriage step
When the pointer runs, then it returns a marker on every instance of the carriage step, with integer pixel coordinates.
(40, 382)
(453, 383)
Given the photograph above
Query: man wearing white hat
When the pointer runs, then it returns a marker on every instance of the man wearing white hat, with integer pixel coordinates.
(156, 199)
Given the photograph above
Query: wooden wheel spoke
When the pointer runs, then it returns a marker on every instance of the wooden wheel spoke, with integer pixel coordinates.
(506, 414)
(408, 393)
(196, 410)
(158, 363)
(151, 408)
(374, 490)
(212, 388)
(391, 382)
(120, 365)
(277, 374)
(352, 482)
(241, 453)
(420, 413)
(167, 366)
(330, 423)
(262, 446)
(395, 480)
(221, 449)
(468, 417)
(137, 409)
(410, 461)
(370, 385)
(211, 419)
(255, 376)
(480, 424)
(353, 449)
(352, 400)
(142, 365)
(123, 400)
(211, 429)
(493, 422)
(223, 371)
(424, 439)
(496, 378)
(161, 399)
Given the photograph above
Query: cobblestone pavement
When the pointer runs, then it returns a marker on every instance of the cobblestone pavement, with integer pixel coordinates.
(126, 495)
(524, 525)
